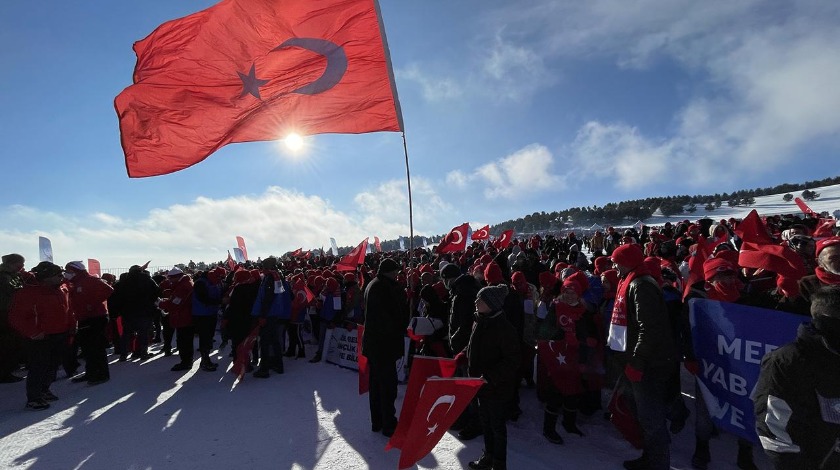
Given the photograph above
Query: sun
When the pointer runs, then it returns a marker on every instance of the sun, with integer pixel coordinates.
(294, 142)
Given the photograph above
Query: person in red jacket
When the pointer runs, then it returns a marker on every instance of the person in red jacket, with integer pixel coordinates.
(178, 306)
(89, 302)
(40, 313)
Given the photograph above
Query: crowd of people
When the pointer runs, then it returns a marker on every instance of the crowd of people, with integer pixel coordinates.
(618, 318)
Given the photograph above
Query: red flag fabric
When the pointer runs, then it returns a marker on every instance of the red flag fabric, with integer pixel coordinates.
(560, 359)
(94, 268)
(422, 367)
(481, 234)
(623, 417)
(504, 240)
(455, 240)
(752, 229)
(352, 260)
(364, 370)
(804, 207)
(230, 262)
(296, 253)
(240, 242)
(243, 353)
(377, 245)
(441, 402)
(825, 228)
(244, 71)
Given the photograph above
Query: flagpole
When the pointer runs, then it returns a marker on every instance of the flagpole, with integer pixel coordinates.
(410, 210)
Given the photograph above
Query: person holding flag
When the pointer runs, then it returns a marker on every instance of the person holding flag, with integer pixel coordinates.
(493, 353)
(89, 301)
(640, 334)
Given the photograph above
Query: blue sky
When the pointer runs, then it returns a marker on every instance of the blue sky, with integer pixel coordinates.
(510, 107)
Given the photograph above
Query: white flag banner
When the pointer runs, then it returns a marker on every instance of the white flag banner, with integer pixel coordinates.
(45, 252)
(238, 255)
(333, 247)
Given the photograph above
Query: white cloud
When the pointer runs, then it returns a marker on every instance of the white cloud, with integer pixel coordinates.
(274, 222)
(521, 174)
(513, 72)
(767, 85)
(434, 88)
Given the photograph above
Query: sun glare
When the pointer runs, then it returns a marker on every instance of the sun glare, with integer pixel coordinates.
(294, 142)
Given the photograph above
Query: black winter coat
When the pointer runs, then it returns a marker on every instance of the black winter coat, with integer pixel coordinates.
(650, 339)
(386, 320)
(797, 403)
(464, 291)
(494, 353)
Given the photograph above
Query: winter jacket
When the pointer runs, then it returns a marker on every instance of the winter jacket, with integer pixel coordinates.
(178, 303)
(207, 297)
(274, 298)
(386, 320)
(135, 295)
(40, 309)
(797, 403)
(650, 338)
(493, 352)
(89, 296)
(461, 313)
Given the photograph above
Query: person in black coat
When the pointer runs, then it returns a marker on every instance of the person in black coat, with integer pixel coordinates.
(386, 320)
(797, 397)
(134, 297)
(493, 353)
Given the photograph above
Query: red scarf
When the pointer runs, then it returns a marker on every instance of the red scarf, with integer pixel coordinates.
(826, 277)
(567, 317)
(618, 322)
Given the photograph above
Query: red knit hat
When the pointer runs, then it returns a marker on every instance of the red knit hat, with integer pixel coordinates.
(493, 274)
(630, 256)
(547, 280)
(714, 266)
(830, 241)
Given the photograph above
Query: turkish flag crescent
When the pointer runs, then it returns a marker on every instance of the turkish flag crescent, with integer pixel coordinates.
(482, 233)
(441, 402)
(504, 240)
(352, 260)
(455, 240)
(255, 70)
(422, 367)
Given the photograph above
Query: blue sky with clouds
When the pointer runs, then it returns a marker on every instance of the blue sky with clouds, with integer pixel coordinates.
(510, 107)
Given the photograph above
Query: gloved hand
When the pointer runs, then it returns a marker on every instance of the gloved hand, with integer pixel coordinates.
(692, 366)
(635, 375)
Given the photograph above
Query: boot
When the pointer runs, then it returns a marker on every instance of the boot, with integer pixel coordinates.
(570, 422)
(278, 365)
(261, 373)
(549, 431)
(316, 358)
(701, 458)
(637, 464)
(208, 365)
(484, 463)
(499, 464)
(301, 354)
(745, 457)
(290, 352)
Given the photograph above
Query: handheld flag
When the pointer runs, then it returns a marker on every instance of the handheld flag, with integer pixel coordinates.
(455, 240)
(45, 252)
(481, 234)
(240, 243)
(94, 268)
(352, 260)
(333, 247)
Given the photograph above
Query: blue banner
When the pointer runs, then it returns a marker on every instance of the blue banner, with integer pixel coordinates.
(729, 342)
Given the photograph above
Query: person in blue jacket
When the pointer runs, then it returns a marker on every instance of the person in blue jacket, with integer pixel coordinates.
(272, 310)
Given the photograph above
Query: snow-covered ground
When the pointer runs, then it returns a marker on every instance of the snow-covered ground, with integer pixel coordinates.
(312, 417)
